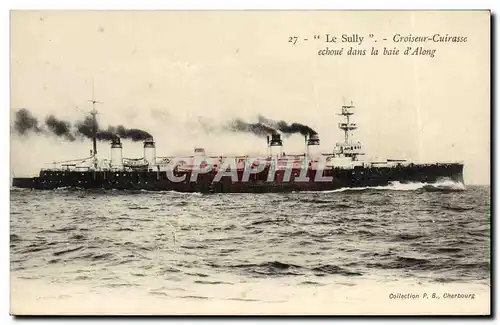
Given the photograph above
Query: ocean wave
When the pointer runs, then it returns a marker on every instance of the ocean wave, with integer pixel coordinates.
(276, 268)
(333, 269)
(226, 228)
(408, 263)
(211, 282)
(405, 237)
(124, 229)
(366, 233)
(448, 249)
(19, 189)
(78, 237)
(137, 207)
(314, 283)
(66, 251)
(269, 221)
(398, 186)
(305, 200)
(457, 208)
(34, 249)
(97, 256)
(300, 237)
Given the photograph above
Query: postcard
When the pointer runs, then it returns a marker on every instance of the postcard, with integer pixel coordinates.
(250, 162)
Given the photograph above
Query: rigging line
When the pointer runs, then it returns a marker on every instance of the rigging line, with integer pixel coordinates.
(59, 162)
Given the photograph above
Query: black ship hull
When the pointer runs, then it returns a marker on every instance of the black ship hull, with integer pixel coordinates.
(283, 181)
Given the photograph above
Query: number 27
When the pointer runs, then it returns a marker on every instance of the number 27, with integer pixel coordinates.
(293, 39)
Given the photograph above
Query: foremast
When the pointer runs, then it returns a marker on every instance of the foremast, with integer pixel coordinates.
(348, 148)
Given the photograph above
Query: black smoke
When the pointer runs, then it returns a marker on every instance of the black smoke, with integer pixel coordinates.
(85, 128)
(296, 128)
(26, 122)
(59, 127)
(288, 128)
(132, 134)
(104, 135)
(259, 129)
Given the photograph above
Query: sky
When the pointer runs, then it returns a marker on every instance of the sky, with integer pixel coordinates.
(182, 75)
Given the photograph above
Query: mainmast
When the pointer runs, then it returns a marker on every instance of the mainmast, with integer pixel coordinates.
(94, 122)
(94, 130)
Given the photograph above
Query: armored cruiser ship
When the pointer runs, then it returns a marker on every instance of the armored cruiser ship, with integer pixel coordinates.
(273, 172)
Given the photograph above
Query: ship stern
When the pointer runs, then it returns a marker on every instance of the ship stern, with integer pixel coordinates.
(23, 182)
